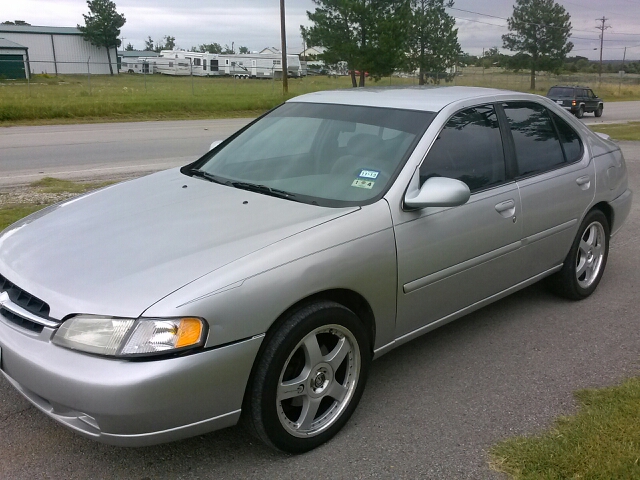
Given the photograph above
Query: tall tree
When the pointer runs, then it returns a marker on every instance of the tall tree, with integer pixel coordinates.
(129, 47)
(102, 26)
(369, 35)
(148, 44)
(540, 28)
(432, 43)
(210, 48)
(243, 50)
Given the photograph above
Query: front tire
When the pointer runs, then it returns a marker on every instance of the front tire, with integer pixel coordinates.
(309, 378)
(584, 265)
(598, 112)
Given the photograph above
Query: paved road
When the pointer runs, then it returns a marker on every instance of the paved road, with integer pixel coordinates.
(615, 112)
(432, 408)
(124, 149)
(105, 150)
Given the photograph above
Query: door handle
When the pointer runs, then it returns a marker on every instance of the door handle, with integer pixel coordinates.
(584, 182)
(506, 208)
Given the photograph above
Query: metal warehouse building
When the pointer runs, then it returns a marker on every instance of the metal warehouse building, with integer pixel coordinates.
(59, 50)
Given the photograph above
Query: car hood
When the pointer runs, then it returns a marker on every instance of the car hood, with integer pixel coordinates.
(118, 250)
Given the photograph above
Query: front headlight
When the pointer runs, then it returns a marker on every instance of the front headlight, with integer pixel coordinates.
(127, 337)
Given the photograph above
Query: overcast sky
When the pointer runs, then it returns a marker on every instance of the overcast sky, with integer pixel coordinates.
(255, 23)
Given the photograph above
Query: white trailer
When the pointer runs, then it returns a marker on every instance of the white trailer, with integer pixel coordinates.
(138, 65)
(181, 62)
(256, 65)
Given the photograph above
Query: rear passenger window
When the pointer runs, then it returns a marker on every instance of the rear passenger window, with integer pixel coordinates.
(536, 142)
(569, 138)
(469, 149)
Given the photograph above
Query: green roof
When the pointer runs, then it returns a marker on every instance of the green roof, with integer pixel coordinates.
(4, 43)
(36, 29)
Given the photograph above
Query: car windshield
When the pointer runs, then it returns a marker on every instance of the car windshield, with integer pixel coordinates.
(330, 155)
(560, 92)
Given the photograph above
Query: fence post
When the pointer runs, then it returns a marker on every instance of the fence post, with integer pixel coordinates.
(193, 92)
(144, 72)
(89, 74)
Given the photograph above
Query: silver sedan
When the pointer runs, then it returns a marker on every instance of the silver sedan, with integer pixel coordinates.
(260, 281)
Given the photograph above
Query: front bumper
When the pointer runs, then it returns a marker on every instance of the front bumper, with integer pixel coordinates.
(128, 403)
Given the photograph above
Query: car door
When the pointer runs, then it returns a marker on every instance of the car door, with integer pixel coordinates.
(451, 258)
(593, 100)
(556, 181)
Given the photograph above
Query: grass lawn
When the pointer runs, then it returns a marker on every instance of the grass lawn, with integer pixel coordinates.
(600, 442)
(13, 213)
(619, 131)
(134, 97)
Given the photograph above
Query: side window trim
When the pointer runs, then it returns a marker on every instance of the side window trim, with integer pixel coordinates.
(508, 144)
(564, 152)
(517, 176)
(508, 178)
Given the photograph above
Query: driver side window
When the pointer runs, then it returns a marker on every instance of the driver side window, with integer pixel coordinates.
(469, 149)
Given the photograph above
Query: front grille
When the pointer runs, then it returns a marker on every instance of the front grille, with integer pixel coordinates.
(25, 300)
(21, 322)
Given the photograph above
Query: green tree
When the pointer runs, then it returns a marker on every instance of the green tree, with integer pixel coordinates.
(102, 26)
(129, 47)
(243, 50)
(210, 48)
(432, 43)
(542, 29)
(369, 35)
(148, 45)
(227, 50)
(16, 22)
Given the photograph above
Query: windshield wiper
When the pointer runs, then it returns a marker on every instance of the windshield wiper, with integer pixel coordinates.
(208, 176)
(274, 192)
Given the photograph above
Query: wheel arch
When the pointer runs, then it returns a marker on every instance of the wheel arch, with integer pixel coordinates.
(606, 209)
(345, 297)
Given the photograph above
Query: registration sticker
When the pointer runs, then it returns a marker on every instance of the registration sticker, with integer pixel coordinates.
(373, 174)
(358, 182)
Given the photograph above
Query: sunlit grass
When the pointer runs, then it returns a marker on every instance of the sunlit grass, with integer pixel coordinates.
(127, 97)
(619, 131)
(600, 442)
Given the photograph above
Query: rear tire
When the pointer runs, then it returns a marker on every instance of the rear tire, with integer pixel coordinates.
(580, 112)
(309, 378)
(585, 263)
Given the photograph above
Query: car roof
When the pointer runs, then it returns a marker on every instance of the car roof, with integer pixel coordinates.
(430, 99)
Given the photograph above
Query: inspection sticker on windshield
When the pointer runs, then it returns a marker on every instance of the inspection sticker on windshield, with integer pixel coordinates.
(373, 174)
(358, 182)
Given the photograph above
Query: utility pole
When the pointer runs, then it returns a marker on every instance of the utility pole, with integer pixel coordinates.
(602, 28)
(283, 35)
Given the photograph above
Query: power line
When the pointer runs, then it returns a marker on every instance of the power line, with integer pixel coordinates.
(531, 23)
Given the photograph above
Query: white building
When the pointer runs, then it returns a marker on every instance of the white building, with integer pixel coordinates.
(59, 50)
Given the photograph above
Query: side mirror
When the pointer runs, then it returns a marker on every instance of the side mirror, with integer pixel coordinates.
(214, 144)
(439, 192)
